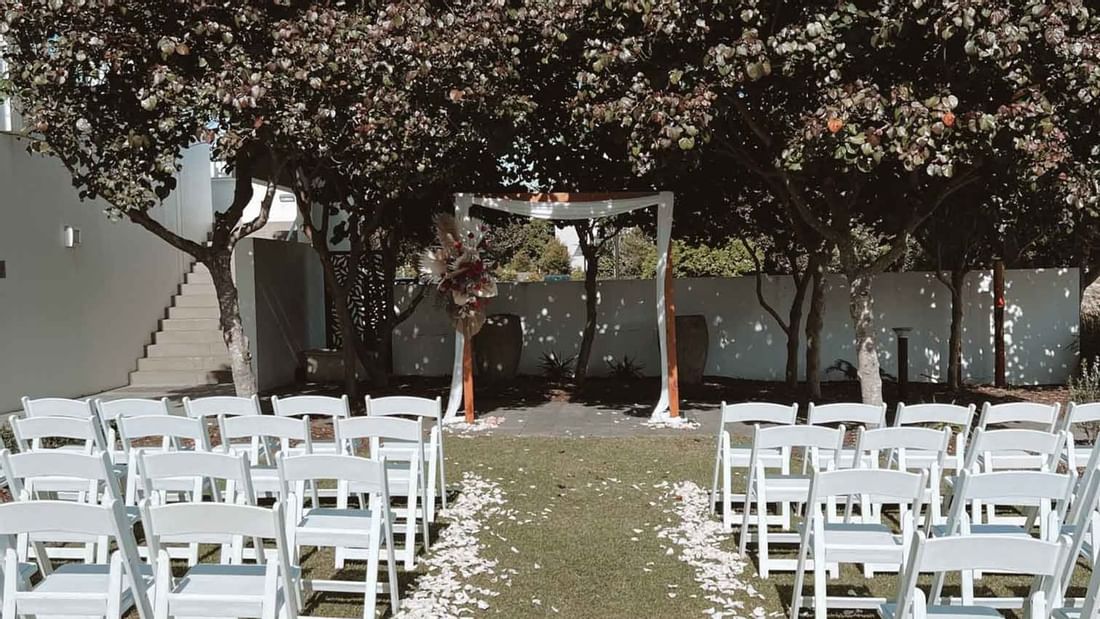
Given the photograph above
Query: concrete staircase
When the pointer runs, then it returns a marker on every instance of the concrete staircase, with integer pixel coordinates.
(188, 349)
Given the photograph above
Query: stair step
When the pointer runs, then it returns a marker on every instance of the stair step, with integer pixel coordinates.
(196, 300)
(199, 278)
(188, 337)
(204, 362)
(187, 377)
(193, 313)
(197, 289)
(201, 349)
(190, 324)
(198, 267)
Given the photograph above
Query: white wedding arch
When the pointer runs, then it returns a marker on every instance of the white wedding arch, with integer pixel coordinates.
(564, 206)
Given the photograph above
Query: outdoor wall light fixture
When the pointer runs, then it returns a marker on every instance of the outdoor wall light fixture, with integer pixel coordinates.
(71, 236)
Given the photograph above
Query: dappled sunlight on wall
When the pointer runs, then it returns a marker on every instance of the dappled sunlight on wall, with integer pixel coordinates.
(745, 342)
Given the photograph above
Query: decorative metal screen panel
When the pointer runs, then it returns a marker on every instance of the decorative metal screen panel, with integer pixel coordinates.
(366, 298)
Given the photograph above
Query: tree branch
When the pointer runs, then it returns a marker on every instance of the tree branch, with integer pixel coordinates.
(760, 287)
(188, 246)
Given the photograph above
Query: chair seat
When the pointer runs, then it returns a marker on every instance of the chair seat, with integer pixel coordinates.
(861, 543)
(787, 487)
(219, 591)
(945, 612)
(332, 527)
(75, 589)
(940, 530)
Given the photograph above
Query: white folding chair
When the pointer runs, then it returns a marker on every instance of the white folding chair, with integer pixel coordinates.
(1012, 450)
(764, 488)
(405, 472)
(265, 589)
(825, 542)
(431, 411)
(368, 528)
(959, 418)
(315, 407)
(207, 410)
(159, 433)
(729, 457)
(110, 411)
(107, 589)
(62, 475)
(909, 449)
(1075, 417)
(162, 473)
(1024, 490)
(281, 431)
(1016, 555)
(850, 414)
(34, 433)
(56, 407)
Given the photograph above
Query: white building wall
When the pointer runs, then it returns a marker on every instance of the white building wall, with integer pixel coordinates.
(74, 321)
(1041, 325)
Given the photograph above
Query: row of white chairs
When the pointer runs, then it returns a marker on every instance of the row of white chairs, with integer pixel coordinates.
(267, 582)
(959, 547)
(394, 427)
(905, 465)
(107, 413)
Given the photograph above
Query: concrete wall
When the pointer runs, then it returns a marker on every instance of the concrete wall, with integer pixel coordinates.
(73, 321)
(282, 304)
(1041, 325)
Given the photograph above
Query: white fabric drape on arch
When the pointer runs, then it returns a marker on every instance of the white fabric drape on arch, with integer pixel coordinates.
(579, 210)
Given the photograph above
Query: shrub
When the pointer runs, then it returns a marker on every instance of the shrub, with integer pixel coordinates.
(627, 369)
(556, 367)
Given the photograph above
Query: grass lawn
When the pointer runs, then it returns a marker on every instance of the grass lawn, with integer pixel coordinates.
(596, 553)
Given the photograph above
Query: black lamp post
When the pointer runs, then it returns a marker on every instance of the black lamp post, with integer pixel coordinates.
(903, 361)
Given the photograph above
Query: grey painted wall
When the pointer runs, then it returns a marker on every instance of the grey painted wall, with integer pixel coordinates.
(74, 321)
(282, 304)
(1041, 325)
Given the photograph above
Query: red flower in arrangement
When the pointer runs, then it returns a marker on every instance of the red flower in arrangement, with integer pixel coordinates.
(949, 119)
(835, 125)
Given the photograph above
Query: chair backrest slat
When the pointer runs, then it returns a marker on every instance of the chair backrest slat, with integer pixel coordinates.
(199, 520)
(759, 412)
(111, 410)
(903, 438)
(312, 405)
(407, 406)
(953, 414)
(1045, 415)
(58, 517)
(871, 415)
(1007, 553)
(798, 436)
(380, 428)
(29, 431)
(56, 407)
(882, 483)
(221, 405)
(162, 426)
(369, 474)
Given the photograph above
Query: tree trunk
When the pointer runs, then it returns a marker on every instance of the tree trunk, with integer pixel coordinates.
(954, 359)
(348, 337)
(240, 356)
(861, 309)
(588, 336)
(794, 327)
(815, 322)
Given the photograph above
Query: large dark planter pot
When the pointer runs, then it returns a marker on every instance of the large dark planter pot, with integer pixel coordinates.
(497, 348)
(692, 340)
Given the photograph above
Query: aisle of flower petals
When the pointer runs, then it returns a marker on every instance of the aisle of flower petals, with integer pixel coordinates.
(456, 557)
(699, 538)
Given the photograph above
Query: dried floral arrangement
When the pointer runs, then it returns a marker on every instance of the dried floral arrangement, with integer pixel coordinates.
(460, 269)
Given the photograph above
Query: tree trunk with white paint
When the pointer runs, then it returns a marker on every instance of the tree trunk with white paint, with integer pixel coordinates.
(861, 309)
(815, 322)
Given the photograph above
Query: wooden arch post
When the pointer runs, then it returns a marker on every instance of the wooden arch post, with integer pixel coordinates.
(670, 341)
(468, 377)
